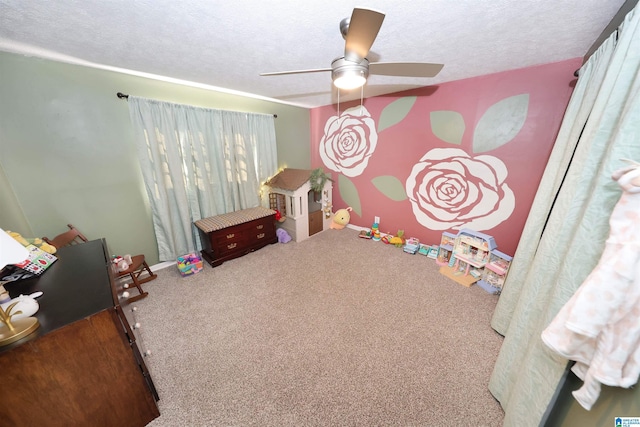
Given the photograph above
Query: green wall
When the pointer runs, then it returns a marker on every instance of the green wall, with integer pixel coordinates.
(11, 215)
(67, 153)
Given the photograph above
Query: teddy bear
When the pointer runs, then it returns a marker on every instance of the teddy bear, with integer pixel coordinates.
(341, 218)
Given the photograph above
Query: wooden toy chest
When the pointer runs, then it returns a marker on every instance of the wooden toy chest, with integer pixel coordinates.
(235, 234)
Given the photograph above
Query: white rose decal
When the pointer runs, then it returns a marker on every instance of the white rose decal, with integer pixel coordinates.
(449, 189)
(348, 141)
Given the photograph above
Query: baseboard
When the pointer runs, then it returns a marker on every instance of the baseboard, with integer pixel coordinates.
(357, 227)
(162, 265)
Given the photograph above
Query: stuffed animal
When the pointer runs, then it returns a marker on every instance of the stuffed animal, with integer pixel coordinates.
(122, 263)
(283, 236)
(341, 218)
(279, 216)
(37, 242)
(398, 240)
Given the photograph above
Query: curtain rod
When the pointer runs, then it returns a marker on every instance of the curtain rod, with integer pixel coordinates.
(125, 96)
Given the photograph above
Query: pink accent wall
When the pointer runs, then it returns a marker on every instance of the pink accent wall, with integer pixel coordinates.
(402, 145)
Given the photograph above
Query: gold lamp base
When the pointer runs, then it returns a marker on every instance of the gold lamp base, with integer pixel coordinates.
(21, 328)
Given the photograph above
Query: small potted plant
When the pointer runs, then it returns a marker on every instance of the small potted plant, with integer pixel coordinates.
(317, 180)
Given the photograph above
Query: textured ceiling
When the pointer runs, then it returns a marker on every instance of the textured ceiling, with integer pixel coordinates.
(226, 44)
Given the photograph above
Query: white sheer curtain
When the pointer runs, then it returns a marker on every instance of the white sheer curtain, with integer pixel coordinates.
(198, 162)
(564, 235)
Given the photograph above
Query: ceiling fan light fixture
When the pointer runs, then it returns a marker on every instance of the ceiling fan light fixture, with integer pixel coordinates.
(348, 75)
(351, 71)
(349, 80)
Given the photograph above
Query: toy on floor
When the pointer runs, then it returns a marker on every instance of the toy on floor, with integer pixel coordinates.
(189, 264)
(398, 240)
(341, 218)
(283, 236)
(411, 246)
(375, 230)
(433, 251)
(365, 234)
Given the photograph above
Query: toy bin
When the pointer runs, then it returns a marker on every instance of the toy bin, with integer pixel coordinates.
(189, 264)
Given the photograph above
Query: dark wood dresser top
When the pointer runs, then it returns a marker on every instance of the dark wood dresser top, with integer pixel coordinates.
(76, 286)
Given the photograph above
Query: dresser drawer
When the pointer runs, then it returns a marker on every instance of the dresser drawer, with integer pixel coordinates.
(258, 229)
(229, 238)
(127, 313)
(224, 246)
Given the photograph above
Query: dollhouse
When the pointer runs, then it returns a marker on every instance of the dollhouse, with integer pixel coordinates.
(471, 257)
(446, 248)
(495, 272)
(303, 212)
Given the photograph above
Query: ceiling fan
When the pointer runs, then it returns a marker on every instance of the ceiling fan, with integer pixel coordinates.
(351, 70)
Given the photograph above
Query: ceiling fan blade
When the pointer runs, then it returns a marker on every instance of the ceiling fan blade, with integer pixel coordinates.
(281, 73)
(408, 69)
(363, 30)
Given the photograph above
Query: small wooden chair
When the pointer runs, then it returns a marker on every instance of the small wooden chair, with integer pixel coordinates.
(71, 237)
(138, 267)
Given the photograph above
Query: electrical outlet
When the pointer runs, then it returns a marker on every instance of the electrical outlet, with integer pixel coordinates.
(376, 219)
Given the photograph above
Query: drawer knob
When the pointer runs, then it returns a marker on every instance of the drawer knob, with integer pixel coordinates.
(231, 236)
(260, 227)
(147, 353)
(231, 246)
(260, 236)
(134, 308)
(125, 294)
(126, 286)
(136, 325)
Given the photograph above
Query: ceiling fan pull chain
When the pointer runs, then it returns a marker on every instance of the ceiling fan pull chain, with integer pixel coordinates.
(361, 98)
(338, 102)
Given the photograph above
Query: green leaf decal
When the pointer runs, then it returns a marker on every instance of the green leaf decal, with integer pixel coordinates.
(391, 187)
(448, 126)
(395, 112)
(500, 123)
(349, 194)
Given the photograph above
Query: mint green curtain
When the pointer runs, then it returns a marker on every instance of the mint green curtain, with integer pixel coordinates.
(565, 232)
(199, 162)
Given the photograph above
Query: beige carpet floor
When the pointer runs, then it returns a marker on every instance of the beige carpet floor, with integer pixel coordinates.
(332, 331)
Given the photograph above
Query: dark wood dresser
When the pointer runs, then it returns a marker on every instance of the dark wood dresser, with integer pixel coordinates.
(82, 366)
(234, 234)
